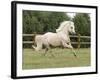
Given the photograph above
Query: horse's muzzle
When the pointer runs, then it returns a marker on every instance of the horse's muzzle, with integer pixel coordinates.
(73, 33)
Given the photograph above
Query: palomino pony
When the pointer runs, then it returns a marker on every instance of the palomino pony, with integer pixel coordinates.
(60, 38)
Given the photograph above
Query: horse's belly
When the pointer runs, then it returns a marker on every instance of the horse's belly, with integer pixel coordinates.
(54, 41)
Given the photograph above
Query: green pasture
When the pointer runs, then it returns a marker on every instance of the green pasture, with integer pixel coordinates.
(55, 58)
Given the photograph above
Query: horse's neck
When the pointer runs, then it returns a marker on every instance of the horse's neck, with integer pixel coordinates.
(64, 35)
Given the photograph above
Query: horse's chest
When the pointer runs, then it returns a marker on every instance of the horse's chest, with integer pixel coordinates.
(64, 38)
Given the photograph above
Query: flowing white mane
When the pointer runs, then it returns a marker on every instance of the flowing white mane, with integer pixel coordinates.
(62, 25)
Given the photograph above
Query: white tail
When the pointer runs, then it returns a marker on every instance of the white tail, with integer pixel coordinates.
(38, 41)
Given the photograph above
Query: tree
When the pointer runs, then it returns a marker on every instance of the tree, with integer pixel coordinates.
(82, 23)
(42, 21)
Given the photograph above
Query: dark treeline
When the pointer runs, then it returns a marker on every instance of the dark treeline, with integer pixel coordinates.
(43, 21)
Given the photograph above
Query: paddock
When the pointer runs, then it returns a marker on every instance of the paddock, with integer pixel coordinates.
(62, 58)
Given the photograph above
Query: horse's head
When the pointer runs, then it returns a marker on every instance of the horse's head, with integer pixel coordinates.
(71, 27)
(67, 26)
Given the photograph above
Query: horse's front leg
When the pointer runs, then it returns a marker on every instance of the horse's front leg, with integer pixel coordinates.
(73, 52)
(70, 47)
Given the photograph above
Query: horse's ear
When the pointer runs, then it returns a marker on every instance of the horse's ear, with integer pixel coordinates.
(61, 23)
(57, 30)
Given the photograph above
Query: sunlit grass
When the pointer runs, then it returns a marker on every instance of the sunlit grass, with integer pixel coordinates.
(61, 58)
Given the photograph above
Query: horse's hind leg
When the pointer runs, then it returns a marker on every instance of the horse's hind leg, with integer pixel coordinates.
(33, 47)
(47, 49)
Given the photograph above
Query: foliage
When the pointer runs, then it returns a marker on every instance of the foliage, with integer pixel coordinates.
(41, 21)
(45, 21)
(82, 23)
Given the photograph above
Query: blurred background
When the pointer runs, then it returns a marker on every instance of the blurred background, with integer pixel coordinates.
(40, 22)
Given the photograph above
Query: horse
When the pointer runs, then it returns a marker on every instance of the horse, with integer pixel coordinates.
(59, 38)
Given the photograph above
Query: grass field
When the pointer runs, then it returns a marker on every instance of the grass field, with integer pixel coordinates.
(62, 58)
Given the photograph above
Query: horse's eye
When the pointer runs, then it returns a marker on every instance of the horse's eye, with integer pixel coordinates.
(71, 27)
